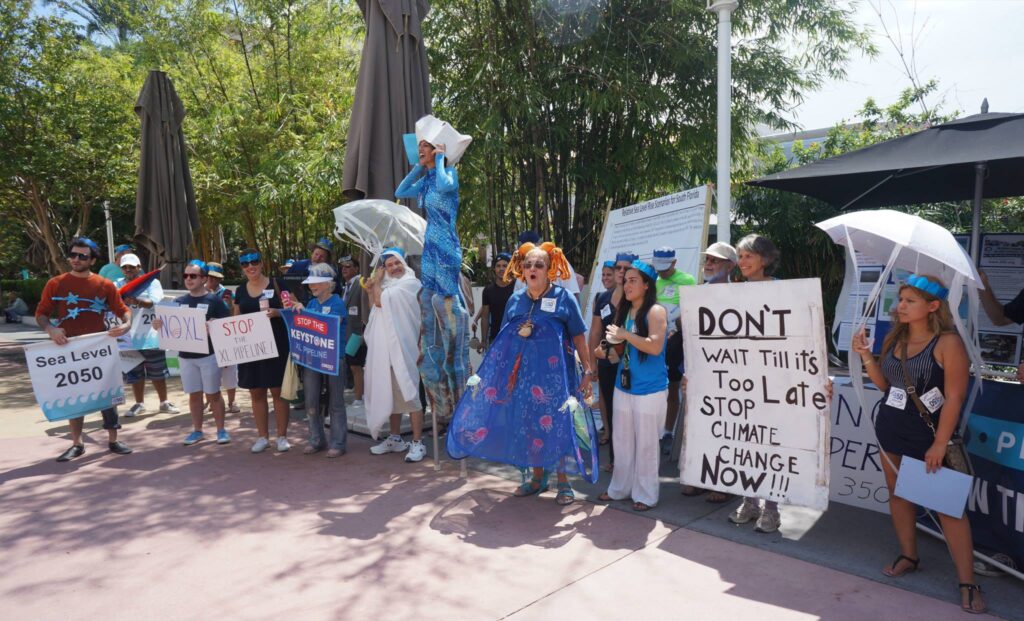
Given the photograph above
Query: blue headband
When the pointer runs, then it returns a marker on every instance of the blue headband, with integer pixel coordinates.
(609, 264)
(326, 244)
(645, 269)
(90, 243)
(626, 256)
(503, 256)
(928, 286)
(203, 267)
(398, 252)
(122, 247)
(250, 256)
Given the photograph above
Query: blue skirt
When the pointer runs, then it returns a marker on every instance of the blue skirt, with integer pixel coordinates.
(517, 409)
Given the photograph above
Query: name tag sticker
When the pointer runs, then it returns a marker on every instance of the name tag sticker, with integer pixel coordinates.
(933, 400)
(353, 310)
(548, 305)
(202, 306)
(897, 398)
(607, 310)
(268, 294)
(325, 310)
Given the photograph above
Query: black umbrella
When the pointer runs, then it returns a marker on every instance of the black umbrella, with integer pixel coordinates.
(980, 156)
(165, 202)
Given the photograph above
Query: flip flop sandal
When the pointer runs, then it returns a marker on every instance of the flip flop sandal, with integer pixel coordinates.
(971, 590)
(640, 507)
(565, 495)
(718, 498)
(604, 497)
(891, 570)
(689, 490)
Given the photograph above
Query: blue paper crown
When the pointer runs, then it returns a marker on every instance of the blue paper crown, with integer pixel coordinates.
(122, 247)
(646, 269)
(203, 267)
(250, 256)
(609, 264)
(90, 243)
(928, 286)
(532, 237)
(664, 253)
(626, 256)
(395, 251)
(502, 256)
(326, 244)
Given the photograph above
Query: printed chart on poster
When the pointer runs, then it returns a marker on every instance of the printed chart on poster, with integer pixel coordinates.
(1002, 259)
(678, 220)
(757, 412)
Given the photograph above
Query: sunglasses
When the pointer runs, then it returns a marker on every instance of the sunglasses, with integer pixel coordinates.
(621, 268)
(529, 265)
(191, 276)
(248, 263)
(79, 256)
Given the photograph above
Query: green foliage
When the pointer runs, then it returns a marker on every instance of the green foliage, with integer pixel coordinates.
(612, 102)
(28, 290)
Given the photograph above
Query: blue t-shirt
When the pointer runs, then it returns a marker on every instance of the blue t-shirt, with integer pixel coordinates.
(646, 376)
(215, 309)
(557, 303)
(333, 305)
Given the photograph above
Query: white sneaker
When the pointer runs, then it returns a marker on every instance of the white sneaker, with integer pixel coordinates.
(747, 511)
(282, 444)
(233, 408)
(260, 445)
(769, 521)
(357, 403)
(392, 444)
(169, 408)
(135, 410)
(416, 451)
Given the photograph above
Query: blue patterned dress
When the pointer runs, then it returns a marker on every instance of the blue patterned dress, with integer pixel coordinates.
(437, 196)
(513, 412)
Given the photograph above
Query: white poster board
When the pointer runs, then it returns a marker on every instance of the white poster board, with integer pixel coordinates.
(855, 461)
(678, 220)
(75, 379)
(243, 338)
(757, 412)
(183, 329)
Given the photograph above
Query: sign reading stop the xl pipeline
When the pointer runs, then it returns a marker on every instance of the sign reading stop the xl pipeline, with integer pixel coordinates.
(242, 338)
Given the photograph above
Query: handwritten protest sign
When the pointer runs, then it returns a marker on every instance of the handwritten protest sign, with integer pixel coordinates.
(243, 338)
(73, 380)
(183, 329)
(757, 411)
(855, 458)
(313, 340)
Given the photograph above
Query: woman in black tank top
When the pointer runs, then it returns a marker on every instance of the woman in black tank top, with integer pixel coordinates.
(937, 366)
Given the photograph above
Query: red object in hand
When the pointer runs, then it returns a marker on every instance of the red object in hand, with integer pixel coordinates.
(135, 286)
(286, 299)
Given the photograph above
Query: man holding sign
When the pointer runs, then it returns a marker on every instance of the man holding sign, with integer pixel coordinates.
(199, 371)
(77, 302)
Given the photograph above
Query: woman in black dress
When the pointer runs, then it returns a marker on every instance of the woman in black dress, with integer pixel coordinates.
(262, 294)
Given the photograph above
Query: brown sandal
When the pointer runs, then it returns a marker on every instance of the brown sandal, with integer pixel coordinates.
(969, 606)
(891, 570)
(640, 507)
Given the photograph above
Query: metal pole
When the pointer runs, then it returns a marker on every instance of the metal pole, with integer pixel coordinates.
(724, 8)
(110, 232)
(979, 185)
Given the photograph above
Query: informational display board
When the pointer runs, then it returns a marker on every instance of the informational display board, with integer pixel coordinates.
(678, 220)
(313, 340)
(242, 338)
(1002, 258)
(183, 329)
(757, 420)
(75, 379)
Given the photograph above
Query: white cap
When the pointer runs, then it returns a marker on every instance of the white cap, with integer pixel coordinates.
(437, 132)
(131, 259)
(722, 250)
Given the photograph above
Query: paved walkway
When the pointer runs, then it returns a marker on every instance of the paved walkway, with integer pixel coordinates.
(174, 532)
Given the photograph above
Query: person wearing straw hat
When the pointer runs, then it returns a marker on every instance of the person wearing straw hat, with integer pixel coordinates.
(444, 340)
(228, 374)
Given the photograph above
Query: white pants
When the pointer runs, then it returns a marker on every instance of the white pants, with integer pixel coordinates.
(636, 430)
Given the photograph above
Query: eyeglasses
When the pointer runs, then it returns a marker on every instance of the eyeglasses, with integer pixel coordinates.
(79, 256)
(621, 268)
(714, 260)
(248, 263)
(529, 265)
(191, 276)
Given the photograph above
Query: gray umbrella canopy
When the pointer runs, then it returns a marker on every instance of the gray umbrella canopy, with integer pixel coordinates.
(932, 165)
(392, 92)
(165, 203)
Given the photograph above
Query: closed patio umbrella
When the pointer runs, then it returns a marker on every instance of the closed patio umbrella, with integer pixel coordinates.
(165, 204)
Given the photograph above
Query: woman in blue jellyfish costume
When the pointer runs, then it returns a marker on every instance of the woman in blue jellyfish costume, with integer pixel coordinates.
(524, 406)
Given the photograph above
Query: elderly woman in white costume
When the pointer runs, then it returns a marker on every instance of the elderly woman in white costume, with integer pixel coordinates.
(392, 341)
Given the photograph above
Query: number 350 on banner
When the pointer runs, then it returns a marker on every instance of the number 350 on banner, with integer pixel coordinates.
(76, 379)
